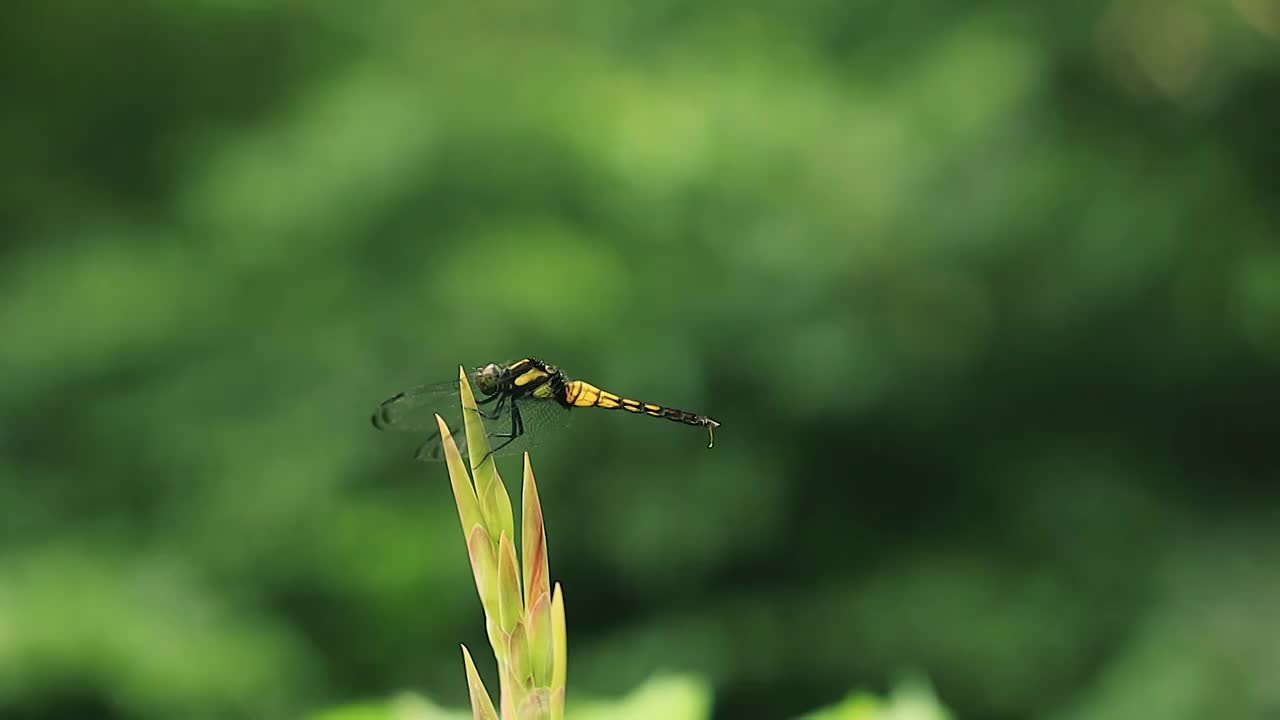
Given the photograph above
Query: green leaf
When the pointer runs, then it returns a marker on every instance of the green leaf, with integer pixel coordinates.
(482, 465)
(510, 602)
(497, 639)
(518, 656)
(484, 567)
(559, 645)
(481, 706)
(464, 495)
(538, 625)
(533, 542)
(496, 505)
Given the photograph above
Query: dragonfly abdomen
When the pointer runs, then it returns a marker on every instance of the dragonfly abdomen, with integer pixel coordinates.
(579, 393)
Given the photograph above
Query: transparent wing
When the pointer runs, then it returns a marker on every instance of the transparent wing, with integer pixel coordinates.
(540, 421)
(414, 410)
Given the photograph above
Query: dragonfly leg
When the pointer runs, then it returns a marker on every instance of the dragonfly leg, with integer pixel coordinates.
(497, 409)
(517, 429)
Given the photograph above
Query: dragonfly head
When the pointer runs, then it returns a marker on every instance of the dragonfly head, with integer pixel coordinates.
(488, 378)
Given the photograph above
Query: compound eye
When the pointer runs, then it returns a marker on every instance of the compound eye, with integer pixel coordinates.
(488, 378)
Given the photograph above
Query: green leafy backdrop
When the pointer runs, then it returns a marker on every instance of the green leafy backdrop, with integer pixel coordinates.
(986, 297)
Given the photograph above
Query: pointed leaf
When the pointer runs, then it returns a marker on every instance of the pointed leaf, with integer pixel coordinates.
(518, 653)
(484, 567)
(463, 493)
(538, 627)
(496, 506)
(510, 604)
(481, 706)
(559, 643)
(482, 465)
(533, 541)
(497, 639)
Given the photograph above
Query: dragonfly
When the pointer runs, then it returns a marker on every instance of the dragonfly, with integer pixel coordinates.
(521, 404)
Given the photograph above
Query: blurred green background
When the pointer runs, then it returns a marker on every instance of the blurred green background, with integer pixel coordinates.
(986, 297)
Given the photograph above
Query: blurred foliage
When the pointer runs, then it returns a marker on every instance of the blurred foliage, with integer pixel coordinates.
(663, 696)
(913, 700)
(669, 697)
(986, 297)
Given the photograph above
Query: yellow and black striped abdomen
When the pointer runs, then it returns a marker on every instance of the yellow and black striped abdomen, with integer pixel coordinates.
(579, 393)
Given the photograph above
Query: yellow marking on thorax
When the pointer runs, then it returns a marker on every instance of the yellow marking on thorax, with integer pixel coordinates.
(528, 376)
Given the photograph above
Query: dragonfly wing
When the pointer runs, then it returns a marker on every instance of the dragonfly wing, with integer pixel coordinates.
(432, 449)
(541, 421)
(414, 410)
